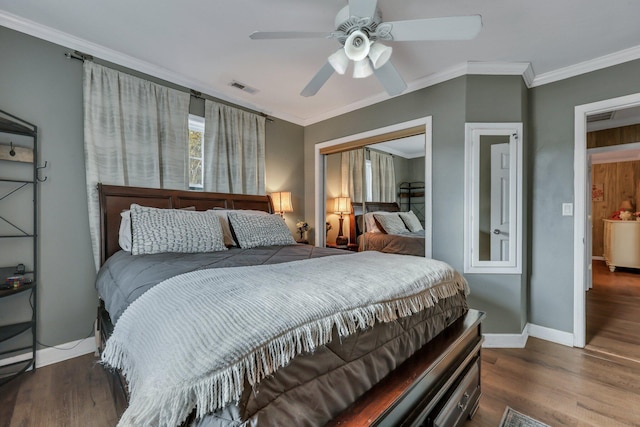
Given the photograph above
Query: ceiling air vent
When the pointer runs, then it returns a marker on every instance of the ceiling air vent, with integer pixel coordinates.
(600, 117)
(243, 87)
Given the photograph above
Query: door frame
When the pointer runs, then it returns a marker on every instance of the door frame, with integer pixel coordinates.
(580, 199)
(320, 175)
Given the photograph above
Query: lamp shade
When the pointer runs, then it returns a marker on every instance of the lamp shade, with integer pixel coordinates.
(342, 205)
(339, 61)
(379, 54)
(357, 45)
(362, 69)
(282, 201)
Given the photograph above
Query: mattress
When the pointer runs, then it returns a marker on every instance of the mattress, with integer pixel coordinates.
(313, 388)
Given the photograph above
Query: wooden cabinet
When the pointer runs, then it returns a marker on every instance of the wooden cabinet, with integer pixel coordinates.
(439, 386)
(621, 244)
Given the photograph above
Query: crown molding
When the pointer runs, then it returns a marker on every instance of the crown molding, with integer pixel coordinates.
(595, 64)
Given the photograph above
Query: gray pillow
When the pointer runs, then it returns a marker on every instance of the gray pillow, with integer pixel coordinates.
(252, 230)
(411, 221)
(391, 223)
(224, 223)
(171, 230)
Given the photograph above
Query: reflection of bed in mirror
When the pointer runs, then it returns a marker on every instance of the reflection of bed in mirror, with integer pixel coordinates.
(371, 235)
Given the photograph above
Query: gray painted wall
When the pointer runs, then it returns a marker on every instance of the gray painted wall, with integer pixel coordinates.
(39, 84)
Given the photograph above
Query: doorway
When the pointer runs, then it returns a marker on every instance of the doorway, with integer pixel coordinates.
(582, 196)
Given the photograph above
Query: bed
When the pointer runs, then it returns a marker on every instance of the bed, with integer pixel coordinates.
(396, 240)
(410, 363)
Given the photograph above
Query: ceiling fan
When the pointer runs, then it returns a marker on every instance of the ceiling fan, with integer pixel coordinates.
(360, 29)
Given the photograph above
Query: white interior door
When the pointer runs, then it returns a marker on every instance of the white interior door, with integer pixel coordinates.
(500, 220)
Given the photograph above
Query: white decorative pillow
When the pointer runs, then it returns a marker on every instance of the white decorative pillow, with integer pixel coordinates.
(391, 224)
(411, 221)
(224, 222)
(124, 235)
(259, 230)
(174, 230)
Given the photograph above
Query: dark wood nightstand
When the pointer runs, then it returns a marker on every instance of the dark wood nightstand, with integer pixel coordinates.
(349, 247)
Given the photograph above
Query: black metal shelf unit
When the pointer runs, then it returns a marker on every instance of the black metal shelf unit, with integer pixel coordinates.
(16, 356)
(411, 197)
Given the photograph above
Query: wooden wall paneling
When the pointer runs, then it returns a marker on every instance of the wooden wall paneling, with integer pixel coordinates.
(630, 134)
(615, 136)
(599, 209)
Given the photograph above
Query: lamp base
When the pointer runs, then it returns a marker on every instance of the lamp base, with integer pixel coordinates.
(342, 240)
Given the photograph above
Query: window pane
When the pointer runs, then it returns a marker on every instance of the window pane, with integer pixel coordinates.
(195, 172)
(195, 144)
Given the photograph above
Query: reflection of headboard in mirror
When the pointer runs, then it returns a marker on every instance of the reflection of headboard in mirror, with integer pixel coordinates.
(355, 228)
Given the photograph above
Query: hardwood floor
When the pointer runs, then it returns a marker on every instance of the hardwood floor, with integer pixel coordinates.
(74, 393)
(561, 386)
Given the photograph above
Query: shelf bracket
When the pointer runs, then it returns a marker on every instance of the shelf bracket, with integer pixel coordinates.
(38, 169)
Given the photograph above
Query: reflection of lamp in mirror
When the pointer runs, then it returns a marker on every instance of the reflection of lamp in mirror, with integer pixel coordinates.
(282, 202)
(341, 206)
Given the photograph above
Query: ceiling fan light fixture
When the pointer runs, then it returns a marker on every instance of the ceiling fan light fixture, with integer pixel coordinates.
(339, 61)
(362, 69)
(379, 54)
(357, 46)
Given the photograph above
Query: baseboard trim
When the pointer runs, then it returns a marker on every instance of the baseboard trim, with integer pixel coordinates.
(530, 330)
(505, 340)
(548, 334)
(59, 353)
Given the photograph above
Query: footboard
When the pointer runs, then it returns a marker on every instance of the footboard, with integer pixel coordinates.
(437, 386)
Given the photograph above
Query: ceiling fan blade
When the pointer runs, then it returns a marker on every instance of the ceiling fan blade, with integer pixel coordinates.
(362, 8)
(390, 79)
(448, 28)
(318, 80)
(268, 35)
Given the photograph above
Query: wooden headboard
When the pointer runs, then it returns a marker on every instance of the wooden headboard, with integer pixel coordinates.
(114, 199)
(370, 207)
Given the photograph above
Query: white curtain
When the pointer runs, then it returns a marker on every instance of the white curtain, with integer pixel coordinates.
(234, 147)
(135, 133)
(383, 177)
(352, 166)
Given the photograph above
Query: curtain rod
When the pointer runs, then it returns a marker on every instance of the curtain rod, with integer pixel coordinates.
(199, 95)
(78, 56)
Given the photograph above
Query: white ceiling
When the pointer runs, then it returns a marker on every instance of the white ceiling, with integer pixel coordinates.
(204, 45)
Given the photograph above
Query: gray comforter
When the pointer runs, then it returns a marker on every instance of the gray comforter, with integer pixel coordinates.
(313, 388)
(124, 277)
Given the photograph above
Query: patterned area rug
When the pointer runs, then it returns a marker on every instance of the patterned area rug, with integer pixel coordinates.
(512, 418)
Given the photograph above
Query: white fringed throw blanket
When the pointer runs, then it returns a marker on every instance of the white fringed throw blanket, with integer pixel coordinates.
(191, 340)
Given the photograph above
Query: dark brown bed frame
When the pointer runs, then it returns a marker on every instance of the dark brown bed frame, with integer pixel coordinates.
(437, 386)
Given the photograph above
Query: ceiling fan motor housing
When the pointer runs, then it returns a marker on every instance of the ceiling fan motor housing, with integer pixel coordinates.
(346, 25)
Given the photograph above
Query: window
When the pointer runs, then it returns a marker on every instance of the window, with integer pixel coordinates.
(368, 180)
(196, 137)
